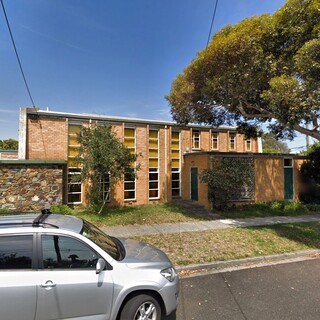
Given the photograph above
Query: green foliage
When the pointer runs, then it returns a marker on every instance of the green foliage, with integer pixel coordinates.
(310, 172)
(229, 179)
(268, 209)
(313, 207)
(260, 70)
(102, 156)
(64, 209)
(9, 144)
(3, 211)
(271, 145)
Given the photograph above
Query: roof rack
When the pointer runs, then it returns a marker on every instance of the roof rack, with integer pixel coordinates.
(41, 217)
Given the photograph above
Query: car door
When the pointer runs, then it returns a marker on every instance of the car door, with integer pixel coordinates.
(68, 285)
(17, 278)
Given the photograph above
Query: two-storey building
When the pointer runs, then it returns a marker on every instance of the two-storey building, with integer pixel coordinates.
(160, 146)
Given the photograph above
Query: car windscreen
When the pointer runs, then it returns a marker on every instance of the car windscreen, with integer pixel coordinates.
(109, 244)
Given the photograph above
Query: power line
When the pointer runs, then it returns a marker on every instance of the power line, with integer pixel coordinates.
(213, 16)
(17, 55)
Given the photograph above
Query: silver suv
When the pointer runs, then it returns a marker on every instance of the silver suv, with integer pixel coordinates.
(55, 266)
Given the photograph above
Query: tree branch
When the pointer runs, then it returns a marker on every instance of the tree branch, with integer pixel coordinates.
(262, 112)
(309, 132)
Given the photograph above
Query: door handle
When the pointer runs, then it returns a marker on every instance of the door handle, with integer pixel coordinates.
(48, 284)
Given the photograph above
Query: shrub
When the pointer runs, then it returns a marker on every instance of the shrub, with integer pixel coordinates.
(64, 209)
(277, 205)
(229, 179)
(310, 173)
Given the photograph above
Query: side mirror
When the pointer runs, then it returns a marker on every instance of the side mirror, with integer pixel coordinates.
(100, 266)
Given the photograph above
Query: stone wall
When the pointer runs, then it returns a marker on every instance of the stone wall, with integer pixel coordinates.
(28, 185)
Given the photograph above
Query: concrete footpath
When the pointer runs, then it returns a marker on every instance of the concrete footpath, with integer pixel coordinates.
(158, 229)
(218, 266)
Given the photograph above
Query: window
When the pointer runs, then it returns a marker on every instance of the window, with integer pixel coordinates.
(129, 181)
(60, 252)
(287, 162)
(175, 164)
(74, 173)
(215, 141)
(248, 144)
(16, 252)
(153, 164)
(175, 178)
(232, 141)
(196, 139)
(74, 185)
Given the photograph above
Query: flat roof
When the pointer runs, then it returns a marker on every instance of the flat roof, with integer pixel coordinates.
(88, 116)
(246, 154)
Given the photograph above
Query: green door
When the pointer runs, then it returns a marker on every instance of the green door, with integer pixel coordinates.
(194, 184)
(288, 183)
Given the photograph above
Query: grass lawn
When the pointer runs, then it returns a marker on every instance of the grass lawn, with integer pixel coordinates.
(173, 213)
(229, 244)
(140, 215)
(218, 245)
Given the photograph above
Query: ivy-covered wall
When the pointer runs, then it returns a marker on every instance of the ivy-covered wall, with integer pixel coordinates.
(27, 185)
(264, 175)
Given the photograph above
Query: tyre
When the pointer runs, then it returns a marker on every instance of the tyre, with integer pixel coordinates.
(141, 307)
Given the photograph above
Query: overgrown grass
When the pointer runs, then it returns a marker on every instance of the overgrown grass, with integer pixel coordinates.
(275, 208)
(229, 244)
(140, 215)
(173, 213)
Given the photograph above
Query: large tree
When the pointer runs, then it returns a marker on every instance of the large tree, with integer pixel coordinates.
(265, 69)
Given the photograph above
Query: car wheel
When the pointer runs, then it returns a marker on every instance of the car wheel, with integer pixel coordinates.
(141, 307)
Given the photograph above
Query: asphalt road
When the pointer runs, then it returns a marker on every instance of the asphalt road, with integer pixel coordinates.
(283, 291)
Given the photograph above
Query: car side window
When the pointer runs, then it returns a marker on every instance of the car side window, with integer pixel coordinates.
(61, 252)
(16, 252)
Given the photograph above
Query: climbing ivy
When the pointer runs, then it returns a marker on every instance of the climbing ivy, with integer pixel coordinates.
(229, 179)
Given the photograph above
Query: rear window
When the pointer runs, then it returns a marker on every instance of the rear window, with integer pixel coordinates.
(16, 252)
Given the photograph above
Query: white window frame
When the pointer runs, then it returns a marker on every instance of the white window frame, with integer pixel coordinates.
(248, 142)
(70, 175)
(124, 178)
(214, 140)
(196, 139)
(232, 140)
(154, 170)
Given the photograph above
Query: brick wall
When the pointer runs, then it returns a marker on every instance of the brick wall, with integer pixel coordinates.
(24, 186)
(47, 138)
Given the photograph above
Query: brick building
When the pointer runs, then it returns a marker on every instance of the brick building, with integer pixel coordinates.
(161, 146)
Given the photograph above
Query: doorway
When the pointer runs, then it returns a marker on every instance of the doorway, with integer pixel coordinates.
(194, 184)
(288, 178)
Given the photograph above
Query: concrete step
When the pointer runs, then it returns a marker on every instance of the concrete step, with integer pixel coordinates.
(193, 206)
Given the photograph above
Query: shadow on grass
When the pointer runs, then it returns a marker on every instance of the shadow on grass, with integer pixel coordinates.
(276, 208)
(307, 233)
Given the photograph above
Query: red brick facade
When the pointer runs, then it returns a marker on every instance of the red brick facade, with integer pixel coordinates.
(46, 138)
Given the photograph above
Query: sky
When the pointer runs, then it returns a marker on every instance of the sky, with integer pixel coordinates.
(107, 57)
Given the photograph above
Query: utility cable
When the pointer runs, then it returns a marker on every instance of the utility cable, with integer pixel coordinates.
(213, 17)
(17, 55)
(23, 75)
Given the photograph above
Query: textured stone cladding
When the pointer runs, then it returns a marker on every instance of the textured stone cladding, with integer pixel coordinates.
(25, 187)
